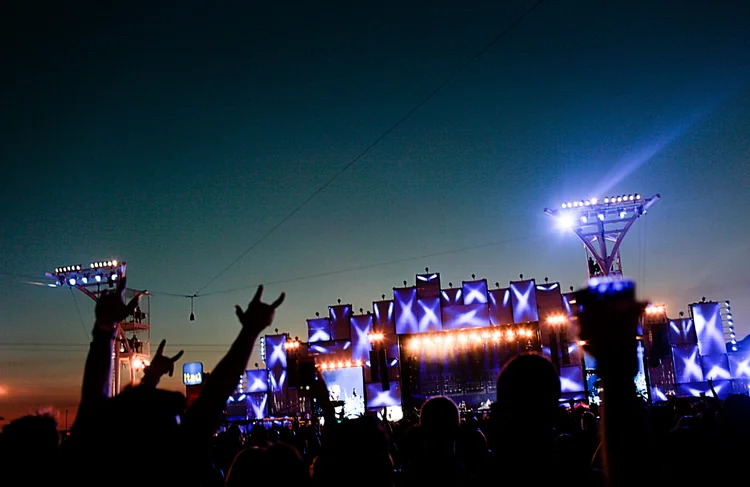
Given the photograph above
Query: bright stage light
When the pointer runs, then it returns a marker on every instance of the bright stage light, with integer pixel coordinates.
(565, 221)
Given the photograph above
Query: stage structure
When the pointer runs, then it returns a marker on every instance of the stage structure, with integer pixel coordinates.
(602, 224)
(133, 339)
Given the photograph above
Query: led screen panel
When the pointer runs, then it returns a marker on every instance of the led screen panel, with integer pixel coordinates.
(340, 316)
(523, 300)
(346, 390)
(548, 297)
(383, 311)
(237, 406)
(682, 332)
(739, 365)
(475, 292)
(697, 389)
(428, 314)
(405, 300)
(658, 395)
(466, 316)
(318, 330)
(257, 381)
(275, 351)
(687, 364)
(428, 285)
(377, 398)
(709, 328)
(451, 297)
(361, 329)
(332, 351)
(501, 312)
(716, 367)
(571, 379)
(277, 381)
(258, 405)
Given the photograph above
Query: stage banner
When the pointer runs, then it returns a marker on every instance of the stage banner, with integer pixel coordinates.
(687, 364)
(384, 316)
(523, 299)
(318, 330)
(475, 292)
(501, 312)
(709, 328)
(405, 311)
(466, 316)
(361, 329)
(451, 297)
(682, 332)
(340, 316)
(428, 286)
(429, 315)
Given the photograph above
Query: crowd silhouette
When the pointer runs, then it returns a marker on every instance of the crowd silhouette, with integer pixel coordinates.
(527, 437)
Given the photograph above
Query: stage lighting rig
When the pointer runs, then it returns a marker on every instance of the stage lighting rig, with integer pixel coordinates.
(95, 274)
(601, 224)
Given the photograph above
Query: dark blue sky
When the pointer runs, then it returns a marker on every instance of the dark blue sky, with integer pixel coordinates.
(174, 138)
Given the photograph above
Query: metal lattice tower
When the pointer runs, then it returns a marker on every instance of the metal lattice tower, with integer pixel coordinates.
(133, 340)
(602, 225)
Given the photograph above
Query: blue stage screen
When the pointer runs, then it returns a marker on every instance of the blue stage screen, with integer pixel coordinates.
(451, 297)
(275, 351)
(475, 292)
(739, 365)
(466, 316)
(716, 367)
(571, 379)
(709, 328)
(377, 398)
(523, 297)
(318, 330)
(361, 329)
(501, 312)
(258, 405)
(406, 310)
(346, 385)
(257, 380)
(687, 364)
(428, 313)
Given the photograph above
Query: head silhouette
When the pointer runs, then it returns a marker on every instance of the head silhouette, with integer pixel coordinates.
(528, 394)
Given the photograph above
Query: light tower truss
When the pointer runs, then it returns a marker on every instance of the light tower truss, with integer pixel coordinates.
(133, 339)
(602, 226)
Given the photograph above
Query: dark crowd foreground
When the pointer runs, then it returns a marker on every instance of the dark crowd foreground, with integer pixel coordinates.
(146, 436)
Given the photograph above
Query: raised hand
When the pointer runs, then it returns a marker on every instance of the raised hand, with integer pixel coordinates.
(258, 315)
(111, 308)
(161, 364)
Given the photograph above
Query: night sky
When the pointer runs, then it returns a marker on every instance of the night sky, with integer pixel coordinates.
(175, 138)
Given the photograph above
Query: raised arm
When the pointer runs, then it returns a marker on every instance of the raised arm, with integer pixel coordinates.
(110, 310)
(160, 365)
(202, 418)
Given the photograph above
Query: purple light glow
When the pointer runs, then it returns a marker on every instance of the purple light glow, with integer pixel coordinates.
(405, 300)
(258, 405)
(709, 329)
(278, 381)
(500, 309)
(682, 332)
(475, 292)
(571, 379)
(428, 313)
(257, 381)
(451, 297)
(378, 398)
(275, 352)
(318, 330)
(361, 329)
(469, 316)
(687, 364)
(716, 367)
(523, 297)
(383, 311)
(340, 316)
(739, 365)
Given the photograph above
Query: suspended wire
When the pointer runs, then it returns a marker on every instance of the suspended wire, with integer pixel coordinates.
(379, 139)
(80, 316)
(372, 266)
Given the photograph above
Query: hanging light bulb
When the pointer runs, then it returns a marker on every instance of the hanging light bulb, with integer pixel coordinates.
(192, 315)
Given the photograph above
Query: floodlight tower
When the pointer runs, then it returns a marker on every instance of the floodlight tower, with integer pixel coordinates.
(602, 225)
(133, 339)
